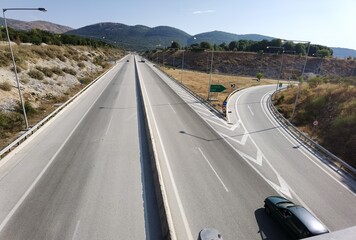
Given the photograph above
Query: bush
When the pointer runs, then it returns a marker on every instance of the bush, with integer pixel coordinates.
(45, 70)
(36, 74)
(70, 71)
(85, 80)
(30, 110)
(62, 58)
(57, 70)
(81, 65)
(259, 76)
(10, 121)
(6, 86)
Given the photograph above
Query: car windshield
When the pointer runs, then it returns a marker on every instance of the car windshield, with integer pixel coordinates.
(285, 204)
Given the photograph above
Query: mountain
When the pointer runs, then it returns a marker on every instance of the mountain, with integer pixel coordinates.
(43, 25)
(141, 37)
(218, 37)
(344, 52)
(137, 37)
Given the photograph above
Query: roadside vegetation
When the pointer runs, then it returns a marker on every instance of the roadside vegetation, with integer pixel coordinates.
(198, 82)
(49, 75)
(332, 103)
(329, 100)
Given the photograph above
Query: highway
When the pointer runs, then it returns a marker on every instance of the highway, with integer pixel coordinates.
(208, 184)
(86, 174)
(217, 173)
(300, 175)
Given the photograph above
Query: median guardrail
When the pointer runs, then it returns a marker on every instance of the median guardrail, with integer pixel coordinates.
(36, 127)
(323, 153)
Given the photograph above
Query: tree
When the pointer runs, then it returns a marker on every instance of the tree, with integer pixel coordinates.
(234, 46)
(205, 45)
(323, 53)
(259, 76)
(300, 49)
(175, 45)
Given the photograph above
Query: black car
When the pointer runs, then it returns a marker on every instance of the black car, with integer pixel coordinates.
(295, 219)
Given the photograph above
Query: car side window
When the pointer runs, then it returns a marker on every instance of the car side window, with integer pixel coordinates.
(286, 213)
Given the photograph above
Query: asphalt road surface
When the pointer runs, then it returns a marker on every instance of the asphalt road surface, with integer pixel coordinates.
(217, 173)
(208, 184)
(86, 174)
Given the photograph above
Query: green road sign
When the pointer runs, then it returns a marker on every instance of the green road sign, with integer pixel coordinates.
(217, 88)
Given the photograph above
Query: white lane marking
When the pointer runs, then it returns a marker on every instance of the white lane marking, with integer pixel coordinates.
(243, 139)
(172, 108)
(179, 202)
(9, 156)
(76, 230)
(283, 184)
(108, 127)
(24, 196)
(294, 142)
(216, 174)
(228, 127)
(249, 108)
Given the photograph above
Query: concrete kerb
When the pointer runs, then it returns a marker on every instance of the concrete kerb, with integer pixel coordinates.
(35, 128)
(168, 230)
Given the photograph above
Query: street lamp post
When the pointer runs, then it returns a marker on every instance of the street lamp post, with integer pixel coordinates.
(211, 72)
(280, 70)
(291, 74)
(181, 75)
(13, 58)
(302, 78)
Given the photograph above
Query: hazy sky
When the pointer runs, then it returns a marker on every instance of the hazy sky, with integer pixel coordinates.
(326, 22)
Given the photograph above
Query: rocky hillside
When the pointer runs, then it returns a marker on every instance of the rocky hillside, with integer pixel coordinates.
(249, 64)
(49, 75)
(330, 103)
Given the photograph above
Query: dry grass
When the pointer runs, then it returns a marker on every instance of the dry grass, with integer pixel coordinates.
(198, 82)
(334, 107)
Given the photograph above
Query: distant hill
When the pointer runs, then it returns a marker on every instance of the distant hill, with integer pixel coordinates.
(344, 52)
(218, 37)
(137, 37)
(141, 37)
(43, 25)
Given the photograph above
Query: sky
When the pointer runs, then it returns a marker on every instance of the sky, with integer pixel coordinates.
(325, 22)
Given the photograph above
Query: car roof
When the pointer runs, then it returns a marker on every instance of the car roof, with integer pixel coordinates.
(312, 223)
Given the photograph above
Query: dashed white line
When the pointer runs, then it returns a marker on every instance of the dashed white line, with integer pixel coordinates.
(172, 108)
(76, 230)
(24, 196)
(249, 108)
(217, 175)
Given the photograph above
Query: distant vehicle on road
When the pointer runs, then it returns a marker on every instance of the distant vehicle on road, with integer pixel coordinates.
(143, 60)
(295, 219)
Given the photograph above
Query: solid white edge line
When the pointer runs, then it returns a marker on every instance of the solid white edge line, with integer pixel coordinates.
(9, 156)
(180, 206)
(294, 142)
(32, 186)
(216, 174)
